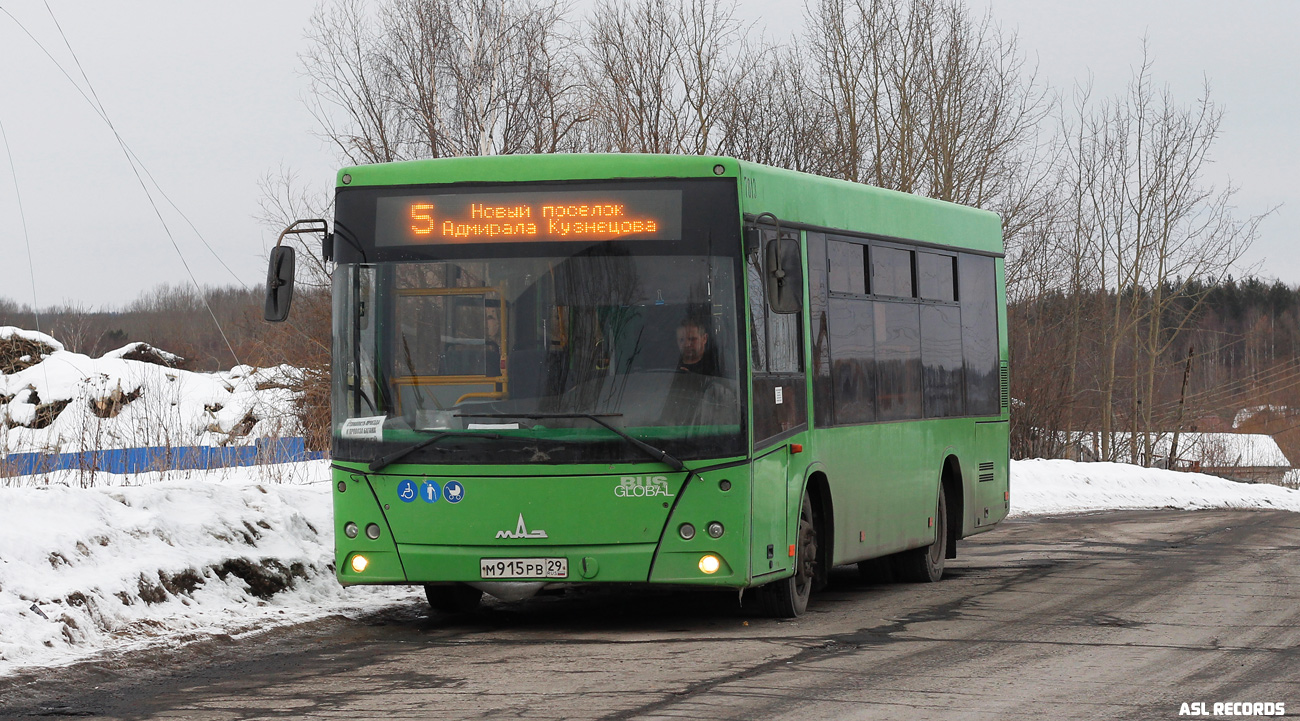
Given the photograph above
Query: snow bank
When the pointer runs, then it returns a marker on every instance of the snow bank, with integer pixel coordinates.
(1041, 487)
(53, 400)
(84, 570)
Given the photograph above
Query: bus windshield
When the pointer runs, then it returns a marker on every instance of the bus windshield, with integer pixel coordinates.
(643, 337)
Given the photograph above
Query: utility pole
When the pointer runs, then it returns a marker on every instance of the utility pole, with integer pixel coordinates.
(1182, 402)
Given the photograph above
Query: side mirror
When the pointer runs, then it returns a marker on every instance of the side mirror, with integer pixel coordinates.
(784, 276)
(279, 284)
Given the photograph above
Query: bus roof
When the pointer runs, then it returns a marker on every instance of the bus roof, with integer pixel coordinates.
(790, 195)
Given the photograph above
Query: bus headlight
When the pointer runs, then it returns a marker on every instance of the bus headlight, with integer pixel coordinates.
(359, 563)
(710, 564)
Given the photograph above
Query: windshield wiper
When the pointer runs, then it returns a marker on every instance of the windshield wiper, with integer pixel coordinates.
(655, 453)
(393, 457)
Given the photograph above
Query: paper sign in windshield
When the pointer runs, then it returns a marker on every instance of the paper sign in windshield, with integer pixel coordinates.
(364, 429)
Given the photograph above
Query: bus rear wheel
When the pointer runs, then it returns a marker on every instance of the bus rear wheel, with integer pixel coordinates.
(925, 564)
(788, 597)
(453, 598)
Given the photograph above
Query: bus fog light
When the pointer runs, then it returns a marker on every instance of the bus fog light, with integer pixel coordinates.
(343, 486)
(350, 529)
(710, 564)
(687, 531)
(715, 530)
(359, 563)
(372, 531)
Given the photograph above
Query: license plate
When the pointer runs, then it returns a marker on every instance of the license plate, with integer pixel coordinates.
(524, 567)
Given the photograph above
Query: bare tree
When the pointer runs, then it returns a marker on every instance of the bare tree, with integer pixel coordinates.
(1142, 233)
(776, 118)
(924, 99)
(630, 76)
(442, 78)
(350, 95)
(286, 198)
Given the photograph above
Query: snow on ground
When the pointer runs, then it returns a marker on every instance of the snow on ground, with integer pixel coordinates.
(166, 558)
(55, 401)
(1044, 487)
(170, 558)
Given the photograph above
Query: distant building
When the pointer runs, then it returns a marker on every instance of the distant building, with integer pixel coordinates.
(1246, 457)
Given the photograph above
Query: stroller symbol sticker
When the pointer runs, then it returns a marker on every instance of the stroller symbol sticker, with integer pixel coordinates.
(454, 492)
(406, 490)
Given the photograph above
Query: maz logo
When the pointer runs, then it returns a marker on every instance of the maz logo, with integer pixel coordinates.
(521, 531)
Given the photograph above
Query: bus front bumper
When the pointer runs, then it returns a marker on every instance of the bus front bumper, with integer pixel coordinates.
(621, 563)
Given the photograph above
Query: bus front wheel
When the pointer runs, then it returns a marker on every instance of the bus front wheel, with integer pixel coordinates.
(454, 598)
(788, 597)
(925, 564)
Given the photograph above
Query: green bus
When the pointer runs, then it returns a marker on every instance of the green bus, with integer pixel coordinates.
(699, 371)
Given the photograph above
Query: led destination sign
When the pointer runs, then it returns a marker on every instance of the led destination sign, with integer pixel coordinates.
(528, 216)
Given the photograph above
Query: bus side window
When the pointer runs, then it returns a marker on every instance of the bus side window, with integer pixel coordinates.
(898, 361)
(778, 385)
(977, 281)
(757, 310)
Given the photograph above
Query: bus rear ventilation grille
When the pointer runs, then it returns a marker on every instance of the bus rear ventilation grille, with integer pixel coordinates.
(986, 471)
(1004, 378)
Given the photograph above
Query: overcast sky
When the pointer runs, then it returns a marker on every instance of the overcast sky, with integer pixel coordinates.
(208, 95)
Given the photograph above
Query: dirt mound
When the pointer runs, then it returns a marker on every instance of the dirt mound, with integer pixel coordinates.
(18, 352)
(146, 353)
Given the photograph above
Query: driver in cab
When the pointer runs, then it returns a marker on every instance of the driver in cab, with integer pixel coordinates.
(698, 394)
(697, 356)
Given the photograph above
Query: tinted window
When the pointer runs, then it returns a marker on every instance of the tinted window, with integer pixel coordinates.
(848, 271)
(898, 361)
(783, 342)
(777, 412)
(936, 276)
(852, 325)
(779, 401)
(979, 333)
(821, 350)
(775, 336)
(891, 272)
(757, 311)
(941, 357)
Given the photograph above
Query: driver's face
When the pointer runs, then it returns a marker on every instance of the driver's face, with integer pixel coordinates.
(691, 342)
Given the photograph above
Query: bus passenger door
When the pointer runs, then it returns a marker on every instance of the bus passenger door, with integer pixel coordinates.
(777, 392)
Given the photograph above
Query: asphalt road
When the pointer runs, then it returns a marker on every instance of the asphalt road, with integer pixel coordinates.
(1109, 616)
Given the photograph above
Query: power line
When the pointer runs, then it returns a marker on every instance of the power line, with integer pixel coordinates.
(137, 166)
(133, 157)
(103, 114)
(1282, 373)
(31, 265)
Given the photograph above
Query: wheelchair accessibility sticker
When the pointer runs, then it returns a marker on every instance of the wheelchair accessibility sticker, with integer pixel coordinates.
(406, 490)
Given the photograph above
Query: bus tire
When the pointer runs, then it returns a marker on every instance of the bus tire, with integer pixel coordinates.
(788, 597)
(925, 564)
(454, 598)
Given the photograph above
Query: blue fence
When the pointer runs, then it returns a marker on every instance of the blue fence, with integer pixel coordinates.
(136, 460)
